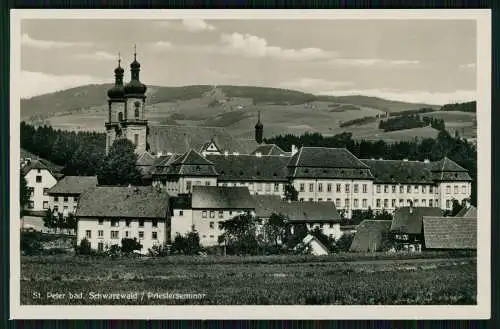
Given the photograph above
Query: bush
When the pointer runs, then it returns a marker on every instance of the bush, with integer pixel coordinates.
(84, 248)
(344, 242)
(30, 243)
(130, 245)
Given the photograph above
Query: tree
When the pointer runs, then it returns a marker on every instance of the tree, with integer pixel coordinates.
(275, 229)
(324, 239)
(456, 207)
(50, 220)
(344, 242)
(119, 166)
(384, 215)
(240, 235)
(291, 193)
(130, 245)
(188, 244)
(24, 194)
(295, 234)
(84, 248)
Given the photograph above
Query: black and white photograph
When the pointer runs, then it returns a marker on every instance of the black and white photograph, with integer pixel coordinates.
(322, 164)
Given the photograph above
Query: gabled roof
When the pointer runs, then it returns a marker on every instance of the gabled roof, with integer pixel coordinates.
(369, 235)
(270, 149)
(191, 158)
(221, 197)
(180, 139)
(446, 164)
(35, 164)
(448, 170)
(399, 171)
(309, 211)
(250, 167)
(123, 202)
(73, 185)
(266, 205)
(450, 232)
(309, 238)
(53, 168)
(145, 159)
(409, 219)
(326, 158)
(470, 211)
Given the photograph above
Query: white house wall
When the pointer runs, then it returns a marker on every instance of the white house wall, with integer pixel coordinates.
(39, 199)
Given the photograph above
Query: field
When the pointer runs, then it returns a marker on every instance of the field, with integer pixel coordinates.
(348, 279)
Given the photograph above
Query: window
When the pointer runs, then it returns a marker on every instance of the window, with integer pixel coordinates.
(276, 187)
(100, 234)
(212, 225)
(401, 202)
(181, 213)
(364, 203)
(338, 188)
(401, 189)
(423, 188)
(430, 202)
(154, 223)
(393, 203)
(378, 203)
(100, 247)
(424, 203)
(356, 203)
(141, 234)
(56, 209)
(115, 222)
(45, 191)
(127, 222)
(188, 185)
(347, 188)
(88, 234)
(45, 204)
(38, 179)
(301, 187)
(212, 214)
(311, 187)
(136, 139)
(320, 199)
(386, 203)
(154, 235)
(337, 203)
(331, 226)
(415, 203)
(65, 209)
(436, 202)
(230, 212)
(204, 214)
(464, 189)
(321, 225)
(416, 188)
(141, 223)
(329, 187)
(356, 188)
(328, 199)
(31, 204)
(448, 204)
(386, 188)
(126, 234)
(197, 183)
(100, 221)
(448, 189)
(114, 234)
(320, 187)
(221, 214)
(455, 189)
(65, 199)
(430, 189)
(365, 188)
(56, 199)
(207, 183)
(301, 199)
(347, 203)
(378, 188)
(408, 189)
(408, 202)
(75, 199)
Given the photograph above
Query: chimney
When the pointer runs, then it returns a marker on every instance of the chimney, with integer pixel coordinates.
(426, 161)
(294, 149)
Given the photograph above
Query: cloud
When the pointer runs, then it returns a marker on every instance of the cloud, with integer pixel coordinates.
(161, 45)
(26, 40)
(196, 25)
(254, 46)
(434, 98)
(38, 83)
(99, 56)
(314, 85)
(371, 62)
(468, 66)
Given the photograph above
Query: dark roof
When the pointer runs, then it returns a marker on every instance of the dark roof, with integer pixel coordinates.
(448, 170)
(266, 205)
(369, 235)
(399, 171)
(191, 163)
(34, 164)
(182, 201)
(470, 211)
(250, 167)
(191, 157)
(51, 166)
(145, 159)
(326, 158)
(446, 164)
(450, 232)
(247, 145)
(221, 197)
(269, 149)
(180, 139)
(122, 201)
(411, 223)
(73, 185)
(329, 173)
(309, 211)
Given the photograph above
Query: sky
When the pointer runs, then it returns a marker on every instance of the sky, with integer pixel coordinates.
(429, 61)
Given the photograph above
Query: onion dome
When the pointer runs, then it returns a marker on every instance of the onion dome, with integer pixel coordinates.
(135, 86)
(117, 91)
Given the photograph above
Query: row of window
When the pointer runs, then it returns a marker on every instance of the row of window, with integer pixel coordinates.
(116, 234)
(116, 222)
(189, 184)
(205, 214)
(338, 187)
(65, 199)
(267, 187)
(378, 203)
(416, 188)
(455, 189)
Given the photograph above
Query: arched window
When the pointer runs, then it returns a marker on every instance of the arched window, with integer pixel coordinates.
(120, 116)
(137, 104)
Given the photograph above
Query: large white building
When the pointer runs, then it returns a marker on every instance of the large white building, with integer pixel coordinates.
(40, 177)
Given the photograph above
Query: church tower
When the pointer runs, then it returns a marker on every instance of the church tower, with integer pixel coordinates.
(116, 107)
(134, 124)
(259, 131)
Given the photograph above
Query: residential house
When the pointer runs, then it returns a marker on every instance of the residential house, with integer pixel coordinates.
(313, 245)
(65, 194)
(370, 235)
(39, 178)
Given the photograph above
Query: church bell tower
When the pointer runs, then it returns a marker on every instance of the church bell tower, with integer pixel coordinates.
(259, 131)
(116, 107)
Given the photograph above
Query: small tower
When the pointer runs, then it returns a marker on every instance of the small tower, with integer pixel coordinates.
(259, 130)
(134, 123)
(116, 107)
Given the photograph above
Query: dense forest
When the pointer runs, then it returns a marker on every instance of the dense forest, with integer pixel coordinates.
(358, 121)
(455, 148)
(410, 121)
(463, 107)
(79, 152)
(408, 112)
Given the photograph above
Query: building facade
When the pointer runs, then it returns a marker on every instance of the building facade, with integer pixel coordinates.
(39, 178)
(64, 196)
